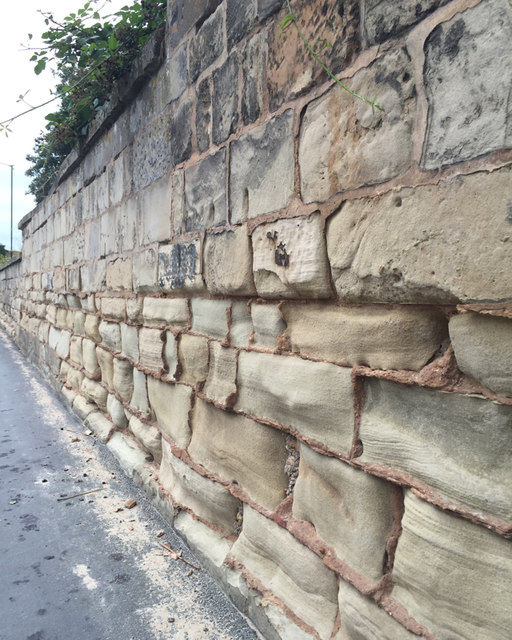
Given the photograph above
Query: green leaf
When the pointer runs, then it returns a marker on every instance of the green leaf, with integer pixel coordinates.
(286, 22)
(113, 43)
(40, 66)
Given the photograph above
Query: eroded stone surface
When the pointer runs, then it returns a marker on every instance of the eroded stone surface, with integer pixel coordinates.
(444, 243)
(171, 404)
(179, 267)
(210, 317)
(268, 324)
(139, 398)
(459, 445)
(391, 18)
(94, 392)
(130, 342)
(293, 572)
(123, 379)
(220, 384)
(469, 112)
(106, 363)
(148, 436)
(344, 144)
(151, 349)
(193, 358)
(465, 585)
(379, 338)
(116, 410)
(225, 100)
(483, 349)
(241, 450)
(240, 329)
(314, 398)
(205, 202)
(165, 311)
(206, 46)
(228, 263)
(290, 259)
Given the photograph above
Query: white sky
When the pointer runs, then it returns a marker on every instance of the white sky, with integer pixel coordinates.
(20, 18)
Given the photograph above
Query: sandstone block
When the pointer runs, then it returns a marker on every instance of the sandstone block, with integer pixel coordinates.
(130, 342)
(90, 360)
(94, 392)
(262, 169)
(193, 356)
(75, 378)
(379, 338)
(151, 349)
(145, 266)
(293, 572)
(314, 398)
(345, 145)
(290, 259)
(252, 86)
(93, 275)
(116, 412)
(119, 274)
(228, 263)
(123, 379)
(205, 204)
(130, 457)
(129, 228)
(170, 355)
(483, 349)
(152, 151)
(210, 317)
(155, 212)
(268, 324)
(220, 384)
(460, 71)
(225, 99)
(181, 130)
(148, 436)
(444, 243)
(101, 426)
(79, 323)
(83, 407)
(106, 363)
(134, 310)
(203, 114)
(456, 444)
(206, 46)
(59, 341)
(361, 618)
(92, 324)
(110, 333)
(75, 350)
(391, 18)
(177, 73)
(240, 18)
(240, 328)
(351, 510)
(465, 585)
(206, 498)
(166, 311)
(239, 449)
(171, 404)
(179, 267)
(139, 398)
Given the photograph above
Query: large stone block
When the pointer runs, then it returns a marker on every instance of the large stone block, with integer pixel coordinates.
(379, 338)
(294, 573)
(240, 18)
(171, 404)
(207, 45)
(94, 392)
(59, 341)
(139, 398)
(177, 73)
(106, 363)
(119, 274)
(204, 497)
(89, 358)
(242, 451)
(444, 243)
(130, 342)
(458, 445)
(210, 317)
(240, 327)
(123, 379)
(483, 349)
(252, 87)
(110, 333)
(314, 398)
(75, 350)
(152, 151)
(344, 144)
(166, 311)
(116, 412)
(148, 436)
(183, 15)
(268, 324)
(113, 308)
(290, 259)
(362, 619)
(203, 114)
(145, 265)
(170, 355)
(151, 348)
(452, 576)
(469, 112)
(179, 267)
(129, 229)
(262, 169)
(155, 211)
(220, 384)
(228, 263)
(193, 354)
(181, 130)
(225, 99)
(351, 510)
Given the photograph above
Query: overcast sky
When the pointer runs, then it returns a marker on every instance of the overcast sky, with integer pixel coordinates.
(20, 18)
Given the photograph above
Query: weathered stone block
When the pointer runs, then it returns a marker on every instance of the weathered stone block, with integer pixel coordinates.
(59, 341)
(228, 263)
(225, 99)
(240, 328)
(166, 311)
(240, 18)
(171, 404)
(210, 317)
(268, 324)
(79, 323)
(193, 358)
(483, 349)
(379, 338)
(444, 243)
(151, 349)
(177, 73)
(75, 350)
(75, 378)
(183, 15)
(181, 131)
(93, 275)
(203, 114)
(267, 7)
(130, 342)
(101, 426)
(262, 169)
(179, 267)
(252, 86)
(139, 398)
(456, 444)
(119, 274)
(148, 436)
(469, 112)
(113, 308)
(206, 46)
(351, 510)
(391, 18)
(116, 412)
(239, 449)
(106, 363)
(206, 498)
(110, 333)
(293, 572)
(152, 151)
(170, 354)
(145, 266)
(134, 310)
(290, 259)
(123, 379)
(344, 144)
(94, 392)
(90, 360)
(129, 231)
(205, 204)
(83, 407)
(314, 398)
(362, 619)
(220, 384)
(155, 212)
(465, 585)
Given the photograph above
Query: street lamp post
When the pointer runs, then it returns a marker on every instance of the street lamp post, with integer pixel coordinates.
(12, 173)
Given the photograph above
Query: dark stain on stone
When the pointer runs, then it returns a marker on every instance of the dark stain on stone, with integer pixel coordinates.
(117, 556)
(42, 612)
(121, 578)
(452, 39)
(509, 212)
(29, 522)
(38, 635)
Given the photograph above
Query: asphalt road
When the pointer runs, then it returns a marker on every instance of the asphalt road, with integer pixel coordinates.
(86, 568)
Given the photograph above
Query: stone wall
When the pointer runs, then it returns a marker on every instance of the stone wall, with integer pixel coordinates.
(290, 316)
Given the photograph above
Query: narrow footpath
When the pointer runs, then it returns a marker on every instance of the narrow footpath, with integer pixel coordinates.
(87, 567)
